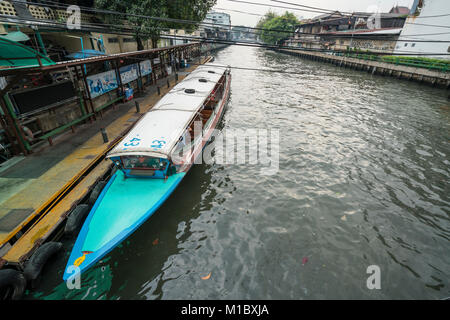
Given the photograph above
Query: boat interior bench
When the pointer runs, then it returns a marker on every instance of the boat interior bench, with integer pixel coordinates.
(48, 136)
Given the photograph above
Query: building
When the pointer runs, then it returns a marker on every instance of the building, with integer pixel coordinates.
(216, 25)
(400, 10)
(426, 26)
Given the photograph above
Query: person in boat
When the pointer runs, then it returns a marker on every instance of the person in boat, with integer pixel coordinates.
(149, 163)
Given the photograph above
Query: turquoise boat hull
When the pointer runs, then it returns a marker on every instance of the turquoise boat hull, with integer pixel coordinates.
(123, 205)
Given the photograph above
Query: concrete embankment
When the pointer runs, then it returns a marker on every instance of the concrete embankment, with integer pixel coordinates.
(421, 75)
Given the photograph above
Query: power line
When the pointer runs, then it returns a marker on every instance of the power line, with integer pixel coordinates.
(275, 6)
(180, 20)
(214, 40)
(309, 7)
(238, 11)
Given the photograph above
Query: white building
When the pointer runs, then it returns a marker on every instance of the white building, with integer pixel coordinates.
(427, 22)
(217, 25)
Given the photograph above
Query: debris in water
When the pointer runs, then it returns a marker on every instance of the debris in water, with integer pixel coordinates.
(155, 242)
(344, 218)
(207, 277)
(304, 260)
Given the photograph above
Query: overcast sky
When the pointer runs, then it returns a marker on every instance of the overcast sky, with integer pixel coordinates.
(341, 5)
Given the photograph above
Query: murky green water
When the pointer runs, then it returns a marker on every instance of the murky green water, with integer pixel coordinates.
(363, 180)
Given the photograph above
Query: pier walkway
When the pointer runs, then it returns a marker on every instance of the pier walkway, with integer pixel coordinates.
(422, 75)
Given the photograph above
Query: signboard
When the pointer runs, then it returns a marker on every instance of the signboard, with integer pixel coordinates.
(129, 73)
(146, 67)
(156, 61)
(42, 98)
(102, 83)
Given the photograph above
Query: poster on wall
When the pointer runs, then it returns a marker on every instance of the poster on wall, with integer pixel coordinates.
(146, 67)
(102, 83)
(128, 73)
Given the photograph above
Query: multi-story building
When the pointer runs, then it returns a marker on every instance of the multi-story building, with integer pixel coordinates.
(425, 29)
(358, 31)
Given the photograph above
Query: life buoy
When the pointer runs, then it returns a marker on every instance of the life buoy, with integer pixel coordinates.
(28, 133)
(12, 284)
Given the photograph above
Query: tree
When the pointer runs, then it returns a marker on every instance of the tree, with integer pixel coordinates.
(286, 22)
(146, 28)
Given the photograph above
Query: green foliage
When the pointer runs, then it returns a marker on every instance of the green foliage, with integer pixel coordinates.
(271, 20)
(145, 28)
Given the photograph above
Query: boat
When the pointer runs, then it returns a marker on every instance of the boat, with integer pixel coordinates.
(151, 161)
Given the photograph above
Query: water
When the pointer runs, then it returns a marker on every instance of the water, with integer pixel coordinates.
(363, 180)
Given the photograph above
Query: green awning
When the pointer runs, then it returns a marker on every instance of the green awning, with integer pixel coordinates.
(16, 36)
(16, 55)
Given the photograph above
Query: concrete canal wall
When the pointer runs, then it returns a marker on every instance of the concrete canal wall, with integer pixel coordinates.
(421, 75)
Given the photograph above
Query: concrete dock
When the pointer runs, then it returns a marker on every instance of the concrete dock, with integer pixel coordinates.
(421, 75)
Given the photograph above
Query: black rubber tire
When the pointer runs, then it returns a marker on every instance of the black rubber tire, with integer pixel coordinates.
(36, 263)
(75, 219)
(12, 284)
(96, 192)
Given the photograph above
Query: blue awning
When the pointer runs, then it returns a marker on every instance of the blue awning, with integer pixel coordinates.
(85, 54)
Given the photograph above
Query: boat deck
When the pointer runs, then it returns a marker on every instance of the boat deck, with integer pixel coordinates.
(41, 189)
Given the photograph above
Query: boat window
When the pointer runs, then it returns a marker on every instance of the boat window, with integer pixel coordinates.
(143, 162)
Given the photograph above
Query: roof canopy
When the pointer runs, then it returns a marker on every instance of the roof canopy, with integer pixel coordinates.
(160, 129)
(16, 36)
(16, 55)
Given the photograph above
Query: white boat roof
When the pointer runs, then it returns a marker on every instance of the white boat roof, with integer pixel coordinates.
(160, 129)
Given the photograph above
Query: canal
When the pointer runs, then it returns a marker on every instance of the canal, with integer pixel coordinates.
(363, 180)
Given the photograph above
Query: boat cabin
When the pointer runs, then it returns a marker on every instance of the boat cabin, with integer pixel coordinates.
(168, 131)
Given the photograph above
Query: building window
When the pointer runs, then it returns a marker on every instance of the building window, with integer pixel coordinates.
(448, 50)
(113, 40)
(413, 45)
(406, 44)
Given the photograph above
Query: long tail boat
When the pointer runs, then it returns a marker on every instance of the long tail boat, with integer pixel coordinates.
(151, 161)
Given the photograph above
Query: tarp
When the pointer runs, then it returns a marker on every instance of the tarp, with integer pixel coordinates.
(16, 55)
